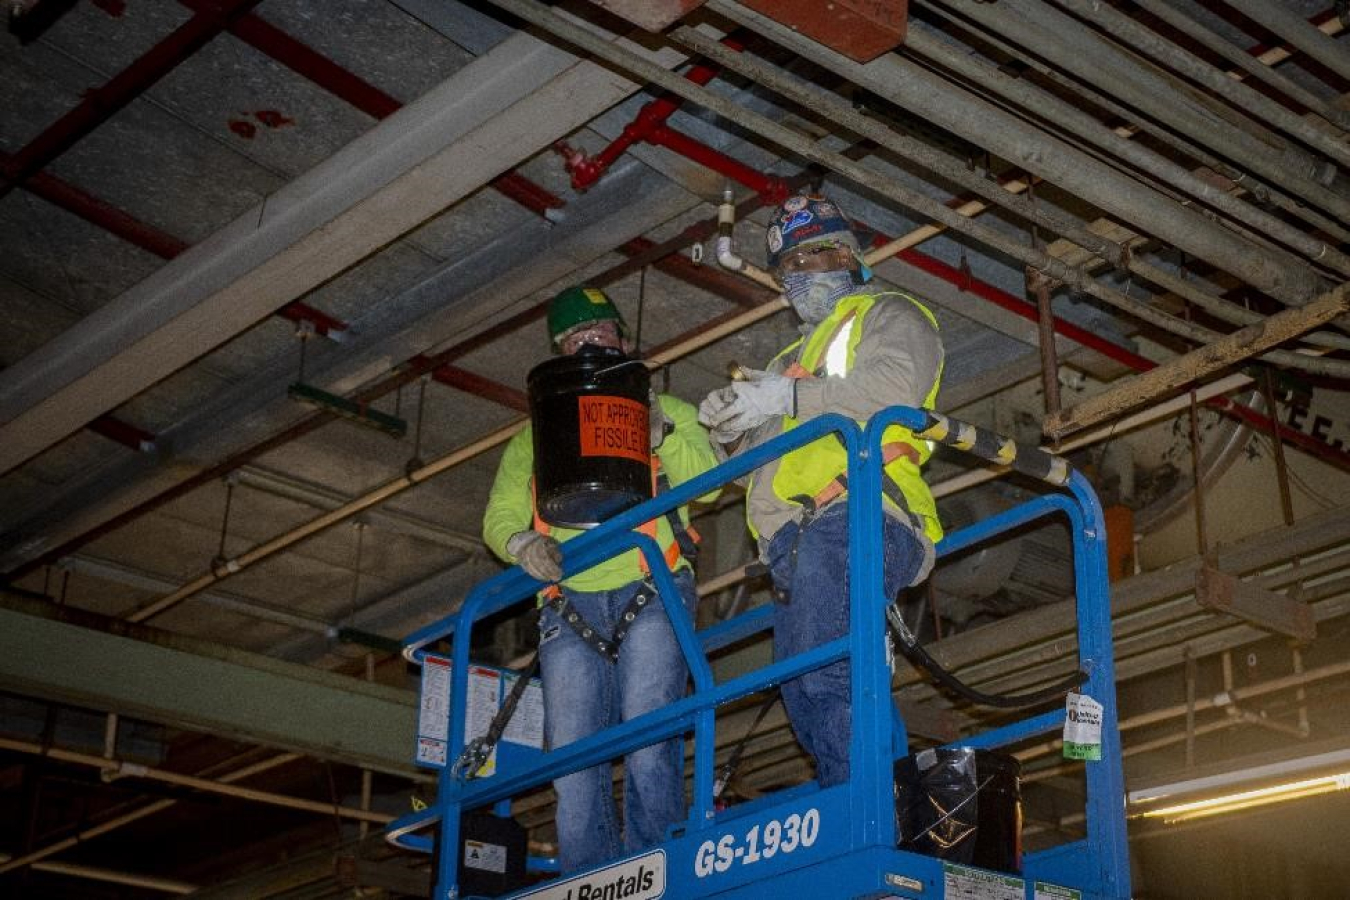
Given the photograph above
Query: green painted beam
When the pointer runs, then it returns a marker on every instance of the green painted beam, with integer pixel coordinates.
(69, 656)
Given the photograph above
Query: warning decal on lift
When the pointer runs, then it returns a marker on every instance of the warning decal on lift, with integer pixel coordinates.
(489, 857)
(1047, 891)
(433, 717)
(613, 426)
(962, 883)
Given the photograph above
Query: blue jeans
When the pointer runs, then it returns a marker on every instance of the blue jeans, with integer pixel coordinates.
(810, 570)
(584, 692)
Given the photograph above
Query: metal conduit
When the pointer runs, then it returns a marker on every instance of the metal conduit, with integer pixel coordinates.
(1289, 27)
(916, 89)
(841, 112)
(1067, 116)
(1213, 121)
(1068, 44)
(1244, 180)
(926, 206)
(122, 768)
(1137, 37)
(134, 815)
(1235, 55)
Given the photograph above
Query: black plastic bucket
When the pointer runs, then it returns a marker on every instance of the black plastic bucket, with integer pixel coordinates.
(592, 452)
(962, 805)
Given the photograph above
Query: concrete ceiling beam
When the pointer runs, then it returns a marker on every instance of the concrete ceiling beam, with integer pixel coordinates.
(488, 117)
(66, 656)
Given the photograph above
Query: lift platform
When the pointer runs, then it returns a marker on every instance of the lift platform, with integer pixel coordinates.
(837, 842)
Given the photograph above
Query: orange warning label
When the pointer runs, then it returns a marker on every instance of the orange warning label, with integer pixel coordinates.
(614, 426)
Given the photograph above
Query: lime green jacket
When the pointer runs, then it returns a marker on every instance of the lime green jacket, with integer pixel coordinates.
(684, 454)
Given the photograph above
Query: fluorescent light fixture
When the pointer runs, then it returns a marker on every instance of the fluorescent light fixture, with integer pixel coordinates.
(1245, 798)
(1279, 793)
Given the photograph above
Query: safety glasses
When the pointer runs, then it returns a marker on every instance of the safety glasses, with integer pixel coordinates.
(818, 258)
(598, 334)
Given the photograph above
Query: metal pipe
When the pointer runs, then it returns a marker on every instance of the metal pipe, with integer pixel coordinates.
(1039, 287)
(1138, 37)
(1192, 366)
(586, 169)
(1189, 26)
(726, 254)
(1190, 707)
(97, 873)
(1241, 180)
(918, 90)
(1064, 114)
(1068, 44)
(1289, 27)
(135, 815)
(816, 98)
(122, 768)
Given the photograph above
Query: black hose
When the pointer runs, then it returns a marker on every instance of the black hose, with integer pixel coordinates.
(912, 651)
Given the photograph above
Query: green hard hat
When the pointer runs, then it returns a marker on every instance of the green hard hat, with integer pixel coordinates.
(578, 306)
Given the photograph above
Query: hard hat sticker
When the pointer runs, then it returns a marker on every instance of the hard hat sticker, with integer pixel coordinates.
(613, 426)
(798, 219)
(775, 239)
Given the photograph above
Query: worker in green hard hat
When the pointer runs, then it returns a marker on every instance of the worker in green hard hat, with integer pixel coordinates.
(581, 316)
(588, 686)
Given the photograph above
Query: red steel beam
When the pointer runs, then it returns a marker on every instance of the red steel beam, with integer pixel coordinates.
(148, 237)
(308, 62)
(351, 88)
(473, 383)
(101, 103)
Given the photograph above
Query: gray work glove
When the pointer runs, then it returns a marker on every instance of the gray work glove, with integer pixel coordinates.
(742, 405)
(659, 422)
(538, 554)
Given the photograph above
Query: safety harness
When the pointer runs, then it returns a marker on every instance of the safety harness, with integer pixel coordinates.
(684, 545)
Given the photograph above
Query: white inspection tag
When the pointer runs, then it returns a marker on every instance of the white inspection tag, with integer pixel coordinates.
(1082, 728)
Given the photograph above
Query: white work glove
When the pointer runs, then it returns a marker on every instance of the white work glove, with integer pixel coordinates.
(659, 422)
(743, 405)
(538, 554)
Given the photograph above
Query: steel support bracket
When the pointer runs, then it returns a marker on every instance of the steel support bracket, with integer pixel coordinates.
(1218, 591)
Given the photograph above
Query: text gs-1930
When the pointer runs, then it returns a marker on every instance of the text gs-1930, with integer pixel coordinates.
(763, 841)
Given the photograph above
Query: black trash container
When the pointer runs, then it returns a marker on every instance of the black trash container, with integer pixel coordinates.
(592, 452)
(962, 805)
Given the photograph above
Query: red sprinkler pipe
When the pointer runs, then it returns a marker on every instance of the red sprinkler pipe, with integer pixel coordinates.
(771, 189)
(586, 170)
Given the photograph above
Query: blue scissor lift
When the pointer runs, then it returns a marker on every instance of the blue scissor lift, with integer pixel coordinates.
(837, 842)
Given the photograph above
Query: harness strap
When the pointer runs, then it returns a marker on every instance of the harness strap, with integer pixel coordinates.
(607, 648)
